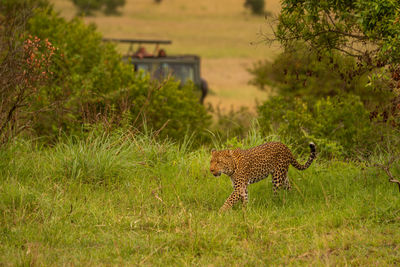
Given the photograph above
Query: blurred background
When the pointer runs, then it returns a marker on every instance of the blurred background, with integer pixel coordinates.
(300, 70)
(225, 34)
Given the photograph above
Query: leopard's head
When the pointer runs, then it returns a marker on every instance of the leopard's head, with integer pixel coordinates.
(222, 162)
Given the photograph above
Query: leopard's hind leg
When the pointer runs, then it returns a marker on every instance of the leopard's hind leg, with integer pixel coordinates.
(286, 183)
(276, 181)
(279, 178)
(244, 196)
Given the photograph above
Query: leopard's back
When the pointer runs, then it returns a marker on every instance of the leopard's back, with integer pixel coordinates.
(258, 162)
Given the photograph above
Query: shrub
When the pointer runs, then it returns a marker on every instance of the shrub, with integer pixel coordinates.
(320, 97)
(24, 64)
(234, 123)
(171, 106)
(301, 72)
(88, 6)
(256, 6)
(339, 125)
(111, 6)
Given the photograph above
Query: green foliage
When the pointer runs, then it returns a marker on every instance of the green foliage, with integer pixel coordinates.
(256, 6)
(380, 20)
(340, 126)
(91, 84)
(24, 62)
(320, 99)
(302, 72)
(231, 124)
(173, 107)
(87, 7)
(366, 29)
(154, 203)
(85, 70)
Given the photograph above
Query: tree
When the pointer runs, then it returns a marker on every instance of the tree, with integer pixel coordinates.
(88, 6)
(338, 78)
(256, 6)
(366, 30)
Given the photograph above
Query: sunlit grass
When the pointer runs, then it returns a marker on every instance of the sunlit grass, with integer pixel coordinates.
(129, 200)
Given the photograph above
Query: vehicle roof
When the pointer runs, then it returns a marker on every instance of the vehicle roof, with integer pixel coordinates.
(166, 58)
(137, 41)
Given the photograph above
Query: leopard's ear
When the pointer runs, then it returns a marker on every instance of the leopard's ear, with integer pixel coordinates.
(213, 150)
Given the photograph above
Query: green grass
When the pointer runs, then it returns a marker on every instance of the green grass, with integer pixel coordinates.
(129, 200)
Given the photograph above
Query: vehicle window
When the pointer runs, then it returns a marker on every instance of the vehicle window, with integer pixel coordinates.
(182, 72)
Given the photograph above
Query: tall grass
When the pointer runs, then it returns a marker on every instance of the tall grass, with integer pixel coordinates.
(126, 199)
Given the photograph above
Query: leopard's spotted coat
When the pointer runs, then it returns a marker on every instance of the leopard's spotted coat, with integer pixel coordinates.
(252, 165)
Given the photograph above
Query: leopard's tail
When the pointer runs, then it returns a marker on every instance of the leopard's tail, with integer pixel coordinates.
(309, 161)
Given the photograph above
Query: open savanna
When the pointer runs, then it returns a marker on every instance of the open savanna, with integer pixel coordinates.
(128, 200)
(227, 37)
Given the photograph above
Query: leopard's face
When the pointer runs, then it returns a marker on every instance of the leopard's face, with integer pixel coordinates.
(221, 162)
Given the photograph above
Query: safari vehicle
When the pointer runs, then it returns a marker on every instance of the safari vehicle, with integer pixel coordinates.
(159, 65)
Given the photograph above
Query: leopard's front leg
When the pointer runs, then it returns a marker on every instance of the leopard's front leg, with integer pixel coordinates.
(239, 193)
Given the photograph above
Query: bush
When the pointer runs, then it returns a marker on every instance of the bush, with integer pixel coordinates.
(24, 62)
(320, 97)
(171, 106)
(234, 123)
(301, 72)
(110, 6)
(88, 6)
(256, 6)
(339, 126)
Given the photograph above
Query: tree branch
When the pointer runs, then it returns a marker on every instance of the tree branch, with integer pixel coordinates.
(386, 168)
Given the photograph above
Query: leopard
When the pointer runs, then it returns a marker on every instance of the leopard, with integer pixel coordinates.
(248, 166)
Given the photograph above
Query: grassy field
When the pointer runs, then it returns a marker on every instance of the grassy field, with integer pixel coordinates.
(129, 200)
(223, 33)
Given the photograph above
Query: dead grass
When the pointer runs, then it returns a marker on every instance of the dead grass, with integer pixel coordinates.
(221, 32)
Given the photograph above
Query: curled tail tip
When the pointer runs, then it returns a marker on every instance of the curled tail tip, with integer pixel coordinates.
(312, 146)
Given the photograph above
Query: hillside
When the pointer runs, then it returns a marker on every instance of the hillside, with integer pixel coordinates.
(223, 33)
